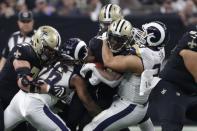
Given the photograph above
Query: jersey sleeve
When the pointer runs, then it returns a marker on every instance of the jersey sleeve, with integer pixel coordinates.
(77, 69)
(94, 44)
(188, 41)
(23, 52)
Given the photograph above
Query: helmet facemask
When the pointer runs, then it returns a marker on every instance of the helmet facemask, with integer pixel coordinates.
(140, 36)
(119, 35)
(116, 42)
(104, 26)
(48, 54)
(74, 52)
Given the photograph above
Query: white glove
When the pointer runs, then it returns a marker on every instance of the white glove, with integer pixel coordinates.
(104, 36)
(87, 67)
(94, 80)
(96, 77)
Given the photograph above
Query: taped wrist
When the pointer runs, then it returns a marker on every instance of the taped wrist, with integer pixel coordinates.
(58, 91)
(35, 86)
(23, 71)
(24, 81)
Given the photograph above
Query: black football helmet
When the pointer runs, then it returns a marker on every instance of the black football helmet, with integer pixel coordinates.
(153, 34)
(74, 51)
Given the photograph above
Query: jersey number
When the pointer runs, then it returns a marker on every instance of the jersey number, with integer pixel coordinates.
(157, 68)
(54, 77)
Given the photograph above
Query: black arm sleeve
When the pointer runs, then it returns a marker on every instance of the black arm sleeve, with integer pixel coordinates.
(24, 52)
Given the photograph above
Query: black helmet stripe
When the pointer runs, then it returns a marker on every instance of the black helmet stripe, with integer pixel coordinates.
(117, 25)
(121, 26)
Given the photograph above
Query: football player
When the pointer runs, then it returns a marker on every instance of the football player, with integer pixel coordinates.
(54, 82)
(101, 91)
(178, 85)
(26, 59)
(130, 106)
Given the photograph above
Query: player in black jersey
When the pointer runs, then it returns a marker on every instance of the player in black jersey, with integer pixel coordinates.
(57, 81)
(177, 91)
(102, 93)
(24, 63)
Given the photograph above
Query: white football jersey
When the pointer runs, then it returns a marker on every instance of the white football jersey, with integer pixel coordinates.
(55, 76)
(130, 85)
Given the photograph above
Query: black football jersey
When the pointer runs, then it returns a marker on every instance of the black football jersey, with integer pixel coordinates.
(175, 70)
(102, 93)
(95, 45)
(8, 76)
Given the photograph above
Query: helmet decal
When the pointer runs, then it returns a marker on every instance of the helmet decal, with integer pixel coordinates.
(161, 30)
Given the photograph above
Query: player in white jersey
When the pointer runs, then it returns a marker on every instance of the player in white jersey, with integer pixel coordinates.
(57, 81)
(138, 68)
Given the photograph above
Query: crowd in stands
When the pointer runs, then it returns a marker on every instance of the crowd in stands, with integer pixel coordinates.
(186, 9)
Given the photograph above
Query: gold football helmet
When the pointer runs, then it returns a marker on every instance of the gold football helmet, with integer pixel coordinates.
(46, 41)
(108, 14)
(119, 34)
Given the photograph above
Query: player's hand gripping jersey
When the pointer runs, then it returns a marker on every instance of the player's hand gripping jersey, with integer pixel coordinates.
(58, 78)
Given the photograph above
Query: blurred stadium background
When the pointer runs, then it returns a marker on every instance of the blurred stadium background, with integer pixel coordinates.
(78, 18)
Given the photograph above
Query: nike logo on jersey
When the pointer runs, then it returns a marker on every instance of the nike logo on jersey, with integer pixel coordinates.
(163, 91)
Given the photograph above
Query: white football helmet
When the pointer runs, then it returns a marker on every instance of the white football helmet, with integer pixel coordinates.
(153, 34)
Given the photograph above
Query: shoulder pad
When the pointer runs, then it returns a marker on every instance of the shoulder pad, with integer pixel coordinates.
(16, 33)
(22, 51)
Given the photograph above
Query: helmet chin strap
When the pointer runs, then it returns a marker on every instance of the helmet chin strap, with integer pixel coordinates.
(117, 50)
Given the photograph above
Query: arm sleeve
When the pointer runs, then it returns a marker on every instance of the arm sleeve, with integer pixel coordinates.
(23, 52)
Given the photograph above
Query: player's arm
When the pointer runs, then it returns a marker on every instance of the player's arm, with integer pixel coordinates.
(2, 63)
(80, 87)
(4, 57)
(20, 58)
(121, 63)
(90, 57)
(23, 70)
(189, 58)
